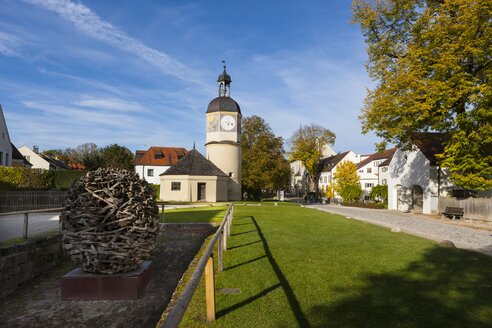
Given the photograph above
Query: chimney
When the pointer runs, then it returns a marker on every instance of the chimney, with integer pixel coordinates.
(35, 149)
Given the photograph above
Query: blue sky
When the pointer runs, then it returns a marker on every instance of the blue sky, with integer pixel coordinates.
(141, 73)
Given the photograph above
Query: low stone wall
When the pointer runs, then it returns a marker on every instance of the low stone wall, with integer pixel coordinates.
(23, 262)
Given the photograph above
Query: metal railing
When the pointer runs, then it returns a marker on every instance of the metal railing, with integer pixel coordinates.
(26, 217)
(205, 264)
(27, 200)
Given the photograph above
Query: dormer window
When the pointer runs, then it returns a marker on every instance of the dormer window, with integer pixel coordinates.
(158, 155)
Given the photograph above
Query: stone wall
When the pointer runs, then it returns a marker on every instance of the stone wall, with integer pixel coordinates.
(20, 263)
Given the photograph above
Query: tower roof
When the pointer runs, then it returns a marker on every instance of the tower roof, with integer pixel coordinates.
(223, 104)
(194, 163)
(224, 77)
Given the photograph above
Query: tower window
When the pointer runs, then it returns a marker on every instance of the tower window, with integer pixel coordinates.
(231, 175)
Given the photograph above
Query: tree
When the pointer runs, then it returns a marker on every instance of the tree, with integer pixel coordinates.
(380, 192)
(381, 146)
(89, 155)
(118, 157)
(347, 183)
(433, 63)
(307, 145)
(263, 163)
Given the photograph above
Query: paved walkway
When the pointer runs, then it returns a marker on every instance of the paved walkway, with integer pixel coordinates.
(12, 226)
(462, 237)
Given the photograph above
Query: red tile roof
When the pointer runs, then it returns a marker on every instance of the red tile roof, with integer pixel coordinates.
(160, 156)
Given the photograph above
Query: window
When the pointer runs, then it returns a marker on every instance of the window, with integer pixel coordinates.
(7, 159)
(176, 186)
(384, 169)
(384, 182)
(150, 172)
(325, 179)
(369, 185)
(1, 158)
(231, 175)
(158, 155)
(361, 171)
(369, 170)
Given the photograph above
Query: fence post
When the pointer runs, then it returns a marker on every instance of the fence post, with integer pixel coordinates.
(26, 223)
(220, 253)
(210, 289)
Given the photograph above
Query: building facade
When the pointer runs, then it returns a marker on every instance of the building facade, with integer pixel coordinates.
(5, 144)
(151, 163)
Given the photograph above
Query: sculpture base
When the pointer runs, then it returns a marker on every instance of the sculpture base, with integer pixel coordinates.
(81, 285)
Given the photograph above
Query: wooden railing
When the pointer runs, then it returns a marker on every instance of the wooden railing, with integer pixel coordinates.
(26, 217)
(205, 264)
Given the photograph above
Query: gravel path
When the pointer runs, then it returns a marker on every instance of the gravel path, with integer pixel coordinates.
(462, 237)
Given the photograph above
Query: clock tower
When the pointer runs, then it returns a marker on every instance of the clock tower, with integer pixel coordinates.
(223, 141)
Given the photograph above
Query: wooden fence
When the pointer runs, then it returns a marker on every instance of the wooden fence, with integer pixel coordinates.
(205, 264)
(475, 208)
(15, 201)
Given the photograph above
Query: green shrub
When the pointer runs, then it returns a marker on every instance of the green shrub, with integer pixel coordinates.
(157, 190)
(380, 192)
(64, 179)
(351, 192)
(20, 178)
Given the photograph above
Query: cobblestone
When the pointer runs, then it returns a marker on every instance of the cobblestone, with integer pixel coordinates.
(463, 237)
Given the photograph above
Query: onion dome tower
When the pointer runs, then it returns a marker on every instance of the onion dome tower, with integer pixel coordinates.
(223, 140)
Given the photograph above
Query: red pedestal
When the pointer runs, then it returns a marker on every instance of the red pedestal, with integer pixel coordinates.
(81, 285)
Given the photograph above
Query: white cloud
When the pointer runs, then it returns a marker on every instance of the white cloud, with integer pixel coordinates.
(112, 104)
(8, 44)
(84, 19)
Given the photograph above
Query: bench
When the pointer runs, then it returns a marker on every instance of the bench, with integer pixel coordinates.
(453, 212)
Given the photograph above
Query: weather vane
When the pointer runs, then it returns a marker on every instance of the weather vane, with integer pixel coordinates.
(223, 62)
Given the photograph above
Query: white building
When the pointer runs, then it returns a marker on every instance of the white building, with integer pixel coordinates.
(5, 144)
(41, 161)
(328, 168)
(368, 170)
(298, 179)
(151, 163)
(415, 180)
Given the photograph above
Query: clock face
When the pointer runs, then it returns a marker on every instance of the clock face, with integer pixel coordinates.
(227, 122)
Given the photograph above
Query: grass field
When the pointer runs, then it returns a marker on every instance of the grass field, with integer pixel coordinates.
(212, 214)
(297, 267)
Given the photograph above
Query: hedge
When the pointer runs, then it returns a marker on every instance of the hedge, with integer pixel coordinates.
(19, 178)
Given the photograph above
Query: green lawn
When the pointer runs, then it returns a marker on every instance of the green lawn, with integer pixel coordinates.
(297, 267)
(211, 214)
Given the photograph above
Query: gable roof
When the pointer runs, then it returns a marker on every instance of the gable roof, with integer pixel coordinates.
(57, 164)
(387, 161)
(327, 164)
(194, 163)
(16, 155)
(430, 144)
(377, 156)
(160, 156)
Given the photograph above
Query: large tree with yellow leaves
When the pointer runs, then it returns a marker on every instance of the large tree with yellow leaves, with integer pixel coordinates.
(432, 60)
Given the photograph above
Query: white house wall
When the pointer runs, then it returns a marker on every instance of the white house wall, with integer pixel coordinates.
(5, 145)
(409, 168)
(143, 170)
(351, 157)
(37, 161)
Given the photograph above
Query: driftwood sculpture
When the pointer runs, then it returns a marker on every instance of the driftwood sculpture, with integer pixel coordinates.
(109, 223)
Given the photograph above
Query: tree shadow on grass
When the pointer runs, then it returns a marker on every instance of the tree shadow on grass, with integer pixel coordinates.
(446, 288)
